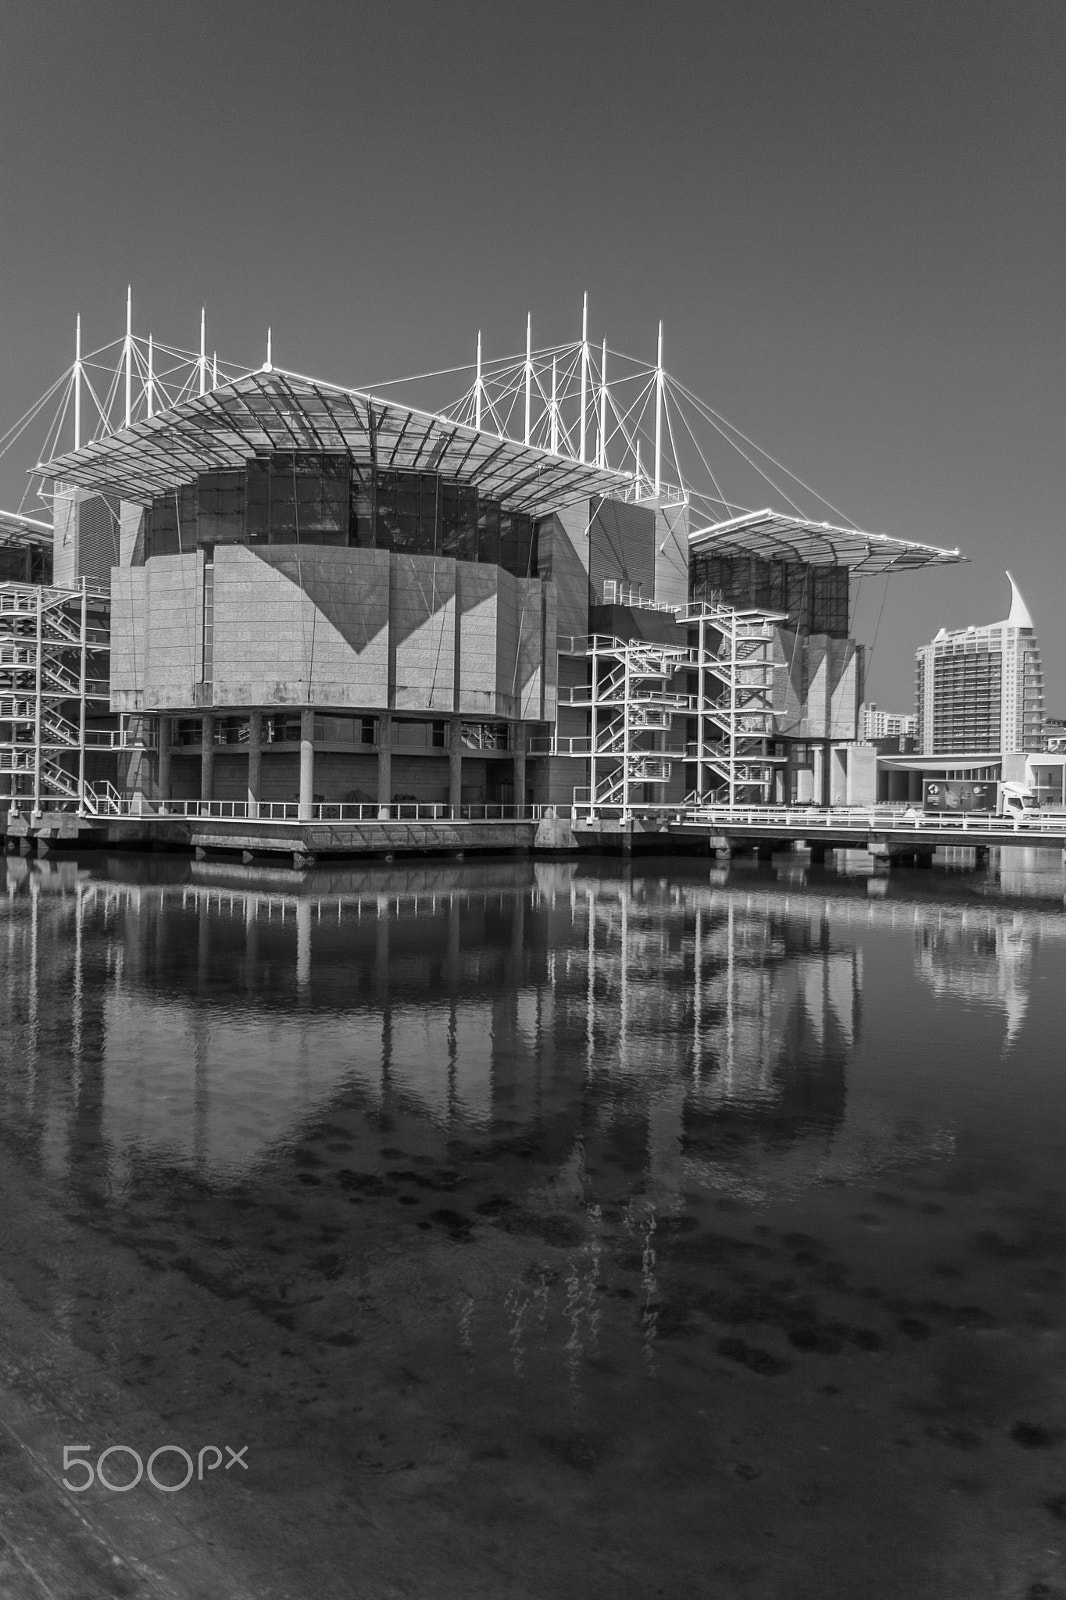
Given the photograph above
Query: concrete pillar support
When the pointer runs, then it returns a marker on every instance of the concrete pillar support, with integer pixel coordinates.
(255, 761)
(162, 758)
(307, 763)
(207, 756)
(455, 765)
(819, 753)
(384, 763)
(518, 734)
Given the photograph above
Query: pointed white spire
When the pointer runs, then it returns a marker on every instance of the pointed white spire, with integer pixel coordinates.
(1019, 611)
(477, 386)
(268, 364)
(149, 388)
(203, 350)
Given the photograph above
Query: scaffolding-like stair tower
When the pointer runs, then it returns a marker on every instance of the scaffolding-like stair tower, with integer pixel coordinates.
(632, 702)
(53, 678)
(733, 679)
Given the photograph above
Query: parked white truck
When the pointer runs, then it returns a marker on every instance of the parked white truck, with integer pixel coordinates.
(960, 796)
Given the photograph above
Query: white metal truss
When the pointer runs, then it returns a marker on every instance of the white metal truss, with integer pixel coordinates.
(53, 678)
(632, 701)
(733, 672)
(640, 431)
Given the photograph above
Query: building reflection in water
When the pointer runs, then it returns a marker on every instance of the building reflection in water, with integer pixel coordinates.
(209, 1016)
(990, 961)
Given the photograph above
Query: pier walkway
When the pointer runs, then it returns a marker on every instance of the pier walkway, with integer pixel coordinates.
(890, 834)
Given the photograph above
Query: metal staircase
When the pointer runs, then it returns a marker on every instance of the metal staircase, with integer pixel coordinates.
(53, 677)
(732, 657)
(632, 707)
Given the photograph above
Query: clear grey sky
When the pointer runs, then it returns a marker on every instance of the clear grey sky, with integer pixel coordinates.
(849, 216)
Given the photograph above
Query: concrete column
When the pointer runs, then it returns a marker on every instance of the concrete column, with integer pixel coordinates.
(455, 765)
(384, 763)
(255, 760)
(307, 763)
(138, 771)
(162, 759)
(207, 756)
(518, 733)
(818, 754)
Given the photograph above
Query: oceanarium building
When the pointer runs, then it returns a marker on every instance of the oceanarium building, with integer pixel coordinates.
(320, 597)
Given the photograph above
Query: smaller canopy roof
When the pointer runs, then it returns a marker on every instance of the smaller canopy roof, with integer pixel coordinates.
(267, 410)
(939, 764)
(780, 535)
(15, 529)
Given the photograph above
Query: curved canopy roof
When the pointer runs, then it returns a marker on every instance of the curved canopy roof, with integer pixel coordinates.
(782, 536)
(268, 410)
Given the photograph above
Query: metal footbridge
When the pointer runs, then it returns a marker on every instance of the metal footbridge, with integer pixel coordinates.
(884, 831)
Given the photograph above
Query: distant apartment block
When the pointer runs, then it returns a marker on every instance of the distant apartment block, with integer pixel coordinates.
(878, 724)
(981, 689)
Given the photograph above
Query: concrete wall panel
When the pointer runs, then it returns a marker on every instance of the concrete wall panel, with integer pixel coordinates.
(477, 600)
(422, 633)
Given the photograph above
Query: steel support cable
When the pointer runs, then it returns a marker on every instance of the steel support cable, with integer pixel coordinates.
(709, 417)
(17, 428)
(726, 504)
(722, 423)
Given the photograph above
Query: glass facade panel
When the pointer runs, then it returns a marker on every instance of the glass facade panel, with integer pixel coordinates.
(458, 521)
(170, 524)
(220, 510)
(361, 502)
(339, 729)
(420, 735)
(319, 498)
(814, 599)
(297, 497)
(281, 730)
(488, 532)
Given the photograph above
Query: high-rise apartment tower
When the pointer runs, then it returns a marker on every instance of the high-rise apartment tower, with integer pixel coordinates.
(981, 689)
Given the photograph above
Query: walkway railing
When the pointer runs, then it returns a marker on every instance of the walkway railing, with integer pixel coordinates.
(321, 811)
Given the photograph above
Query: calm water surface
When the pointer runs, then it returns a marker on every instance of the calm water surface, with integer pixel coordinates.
(550, 1229)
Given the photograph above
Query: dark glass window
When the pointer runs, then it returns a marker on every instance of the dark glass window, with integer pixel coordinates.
(814, 599)
(299, 497)
(281, 730)
(420, 735)
(488, 531)
(516, 543)
(458, 521)
(170, 526)
(408, 512)
(340, 729)
(325, 498)
(232, 730)
(361, 517)
(220, 511)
